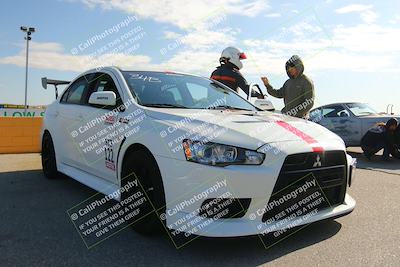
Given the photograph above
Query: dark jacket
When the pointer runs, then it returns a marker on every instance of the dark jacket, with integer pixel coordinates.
(229, 75)
(397, 136)
(297, 93)
(396, 146)
(375, 137)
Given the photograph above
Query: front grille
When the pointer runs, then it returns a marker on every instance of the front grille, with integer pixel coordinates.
(328, 168)
(225, 208)
(304, 161)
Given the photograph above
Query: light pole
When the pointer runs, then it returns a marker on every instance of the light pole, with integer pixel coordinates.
(28, 31)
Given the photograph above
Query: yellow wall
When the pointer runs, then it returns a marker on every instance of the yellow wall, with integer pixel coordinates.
(20, 135)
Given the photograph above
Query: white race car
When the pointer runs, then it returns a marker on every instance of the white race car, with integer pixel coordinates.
(207, 161)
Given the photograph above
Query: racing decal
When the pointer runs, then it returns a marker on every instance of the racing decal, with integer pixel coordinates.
(305, 137)
(109, 154)
(110, 120)
(124, 120)
(144, 78)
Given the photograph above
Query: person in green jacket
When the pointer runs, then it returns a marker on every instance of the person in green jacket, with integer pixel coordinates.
(297, 92)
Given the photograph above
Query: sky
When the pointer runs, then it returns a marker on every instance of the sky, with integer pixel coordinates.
(350, 49)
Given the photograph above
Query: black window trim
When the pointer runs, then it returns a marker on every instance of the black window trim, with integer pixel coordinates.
(67, 90)
(97, 75)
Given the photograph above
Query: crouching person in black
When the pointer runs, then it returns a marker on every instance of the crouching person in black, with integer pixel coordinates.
(381, 136)
(396, 153)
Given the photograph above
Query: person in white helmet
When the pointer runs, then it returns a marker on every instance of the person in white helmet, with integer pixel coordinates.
(228, 72)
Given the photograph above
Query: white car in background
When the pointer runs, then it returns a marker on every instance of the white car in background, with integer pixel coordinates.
(192, 143)
(349, 120)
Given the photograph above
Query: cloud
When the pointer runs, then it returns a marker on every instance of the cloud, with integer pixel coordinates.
(211, 34)
(367, 15)
(57, 59)
(395, 20)
(273, 15)
(172, 35)
(50, 46)
(335, 60)
(353, 8)
(200, 22)
(367, 38)
(302, 37)
(52, 56)
(191, 61)
(362, 38)
(364, 47)
(302, 28)
(206, 39)
(182, 13)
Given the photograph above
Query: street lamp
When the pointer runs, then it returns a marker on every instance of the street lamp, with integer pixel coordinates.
(29, 31)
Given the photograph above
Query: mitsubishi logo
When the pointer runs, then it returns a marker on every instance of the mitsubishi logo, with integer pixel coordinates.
(317, 162)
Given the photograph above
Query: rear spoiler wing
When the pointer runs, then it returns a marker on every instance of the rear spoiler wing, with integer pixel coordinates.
(46, 81)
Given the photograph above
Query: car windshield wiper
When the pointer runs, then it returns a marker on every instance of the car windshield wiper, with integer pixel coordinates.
(164, 105)
(229, 107)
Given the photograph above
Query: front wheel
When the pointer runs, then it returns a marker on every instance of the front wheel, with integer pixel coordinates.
(142, 166)
(49, 164)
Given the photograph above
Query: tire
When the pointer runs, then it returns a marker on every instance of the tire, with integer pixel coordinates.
(49, 163)
(141, 164)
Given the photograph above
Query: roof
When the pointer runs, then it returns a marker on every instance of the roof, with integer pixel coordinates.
(119, 69)
(339, 103)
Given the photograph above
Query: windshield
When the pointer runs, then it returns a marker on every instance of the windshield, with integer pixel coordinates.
(361, 109)
(171, 90)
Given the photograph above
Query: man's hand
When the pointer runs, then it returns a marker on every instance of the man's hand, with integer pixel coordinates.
(265, 81)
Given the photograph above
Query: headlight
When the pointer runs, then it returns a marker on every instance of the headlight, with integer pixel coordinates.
(220, 155)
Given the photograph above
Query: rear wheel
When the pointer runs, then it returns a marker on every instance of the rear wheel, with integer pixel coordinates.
(49, 164)
(141, 165)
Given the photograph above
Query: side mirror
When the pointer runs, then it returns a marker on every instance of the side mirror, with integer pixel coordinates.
(264, 104)
(254, 89)
(106, 98)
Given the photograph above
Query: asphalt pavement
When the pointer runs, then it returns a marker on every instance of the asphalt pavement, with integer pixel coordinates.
(36, 230)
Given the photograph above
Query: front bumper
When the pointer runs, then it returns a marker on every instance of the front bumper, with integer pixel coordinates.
(187, 185)
(246, 227)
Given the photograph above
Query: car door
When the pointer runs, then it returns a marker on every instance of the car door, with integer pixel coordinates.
(341, 121)
(103, 132)
(70, 121)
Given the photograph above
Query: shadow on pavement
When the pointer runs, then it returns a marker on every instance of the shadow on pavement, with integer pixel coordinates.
(35, 230)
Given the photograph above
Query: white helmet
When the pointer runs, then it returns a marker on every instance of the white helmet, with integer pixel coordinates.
(233, 55)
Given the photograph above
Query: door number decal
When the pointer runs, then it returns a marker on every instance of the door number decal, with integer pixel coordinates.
(109, 154)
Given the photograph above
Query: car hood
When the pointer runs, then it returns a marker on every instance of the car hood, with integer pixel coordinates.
(243, 128)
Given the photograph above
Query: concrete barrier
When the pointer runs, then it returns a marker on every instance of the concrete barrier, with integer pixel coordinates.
(20, 135)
